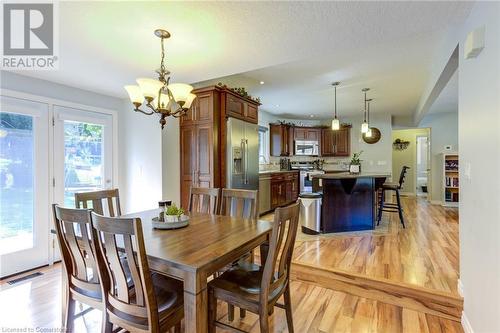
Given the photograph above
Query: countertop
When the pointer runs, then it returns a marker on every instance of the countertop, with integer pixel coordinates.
(343, 175)
(268, 172)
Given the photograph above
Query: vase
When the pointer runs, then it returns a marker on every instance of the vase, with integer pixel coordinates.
(354, 168)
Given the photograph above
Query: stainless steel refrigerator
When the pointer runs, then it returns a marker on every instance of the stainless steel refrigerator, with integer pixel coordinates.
(242, 154)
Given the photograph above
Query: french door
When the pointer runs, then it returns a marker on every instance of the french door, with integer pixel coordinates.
(24, 182)
(47, 153)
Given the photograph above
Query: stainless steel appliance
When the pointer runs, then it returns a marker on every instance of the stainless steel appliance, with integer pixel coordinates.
(264, 193)
(310, 212)
(242, 155)
(306, 148)
(306, 179)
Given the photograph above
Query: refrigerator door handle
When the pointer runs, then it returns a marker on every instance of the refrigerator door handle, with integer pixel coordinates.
(246, 161)
(244, 154)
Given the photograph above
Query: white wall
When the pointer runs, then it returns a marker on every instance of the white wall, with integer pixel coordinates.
(444, 132)
(171, 161)
(479, 139)
(140, 151)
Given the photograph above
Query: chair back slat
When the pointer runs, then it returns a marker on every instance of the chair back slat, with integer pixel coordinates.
(96, 198)
(136, 303)
(402, 175)
(239, 203)
(281, 245)
(204, 200)
(73, 229)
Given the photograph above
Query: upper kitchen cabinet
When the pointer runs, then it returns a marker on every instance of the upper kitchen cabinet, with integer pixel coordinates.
(241, 108)
(336, 143)
(281, 136)
(307, 133)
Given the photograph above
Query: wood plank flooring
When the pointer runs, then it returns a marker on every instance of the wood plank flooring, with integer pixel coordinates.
(36, 303)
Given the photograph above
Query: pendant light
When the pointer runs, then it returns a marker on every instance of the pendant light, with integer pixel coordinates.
(364, 125)
(335, 121)
(368, 133)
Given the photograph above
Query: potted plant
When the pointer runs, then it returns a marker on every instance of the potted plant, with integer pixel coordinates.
(355, 165)
(173, 214)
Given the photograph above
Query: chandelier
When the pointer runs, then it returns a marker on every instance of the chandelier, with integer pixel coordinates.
(159, 95)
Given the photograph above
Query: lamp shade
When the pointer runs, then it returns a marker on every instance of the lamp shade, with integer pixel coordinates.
(150, 87)
(335, 124)
(368, 133)
(135, 94)
(180, 91)
(189, 101)
(364, 127)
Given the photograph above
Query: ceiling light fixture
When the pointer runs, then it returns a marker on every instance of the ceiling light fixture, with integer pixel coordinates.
(368, 133)
(262, 82)
(364, 125)
(335, 121)
(161, 96)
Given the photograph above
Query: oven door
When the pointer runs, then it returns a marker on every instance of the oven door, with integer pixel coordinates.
(306, 148)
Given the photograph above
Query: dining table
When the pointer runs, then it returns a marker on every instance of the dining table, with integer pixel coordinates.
(194, 253)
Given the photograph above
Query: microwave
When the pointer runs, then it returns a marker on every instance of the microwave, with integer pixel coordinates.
(306, 148)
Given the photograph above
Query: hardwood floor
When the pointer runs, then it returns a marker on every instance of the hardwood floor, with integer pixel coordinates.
(422, 256)
(36, 303)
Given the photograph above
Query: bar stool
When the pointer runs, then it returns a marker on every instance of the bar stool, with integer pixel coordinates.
(391, 207)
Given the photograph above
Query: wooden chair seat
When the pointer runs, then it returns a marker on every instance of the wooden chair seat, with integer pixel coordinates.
(390, 186)
(169, 296)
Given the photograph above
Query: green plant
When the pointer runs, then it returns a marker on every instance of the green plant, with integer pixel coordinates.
(355, 158)
(173, 210)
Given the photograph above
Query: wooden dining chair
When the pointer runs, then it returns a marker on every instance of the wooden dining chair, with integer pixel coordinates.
(155, 303)
(256, 288)
(204, 200)
(74, 233)
(97, 198)
(239, 203)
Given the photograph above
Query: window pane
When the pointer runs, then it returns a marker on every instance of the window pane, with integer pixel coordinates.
(83, 160)
(16, 181)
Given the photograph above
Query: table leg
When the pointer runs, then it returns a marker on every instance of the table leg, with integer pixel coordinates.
(196, 306)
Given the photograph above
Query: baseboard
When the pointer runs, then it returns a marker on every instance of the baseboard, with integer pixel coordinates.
(436, 202)
(435, 302)
(407, 194)
(460, 287)
(466, 324)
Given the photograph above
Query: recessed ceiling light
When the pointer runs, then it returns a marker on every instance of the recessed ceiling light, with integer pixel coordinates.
(261, 82)
(312, 116)
(277, 105)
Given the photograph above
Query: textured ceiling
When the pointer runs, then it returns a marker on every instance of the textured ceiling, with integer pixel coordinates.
(385, 45)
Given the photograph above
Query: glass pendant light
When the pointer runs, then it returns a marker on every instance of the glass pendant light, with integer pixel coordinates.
(368, 133)
(364, 126)
(335, 121)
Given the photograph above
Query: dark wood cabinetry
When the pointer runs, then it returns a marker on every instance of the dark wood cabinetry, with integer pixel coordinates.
(284, 188)
(307, 133)
(336, 143)
(281, 137)
(203, 137)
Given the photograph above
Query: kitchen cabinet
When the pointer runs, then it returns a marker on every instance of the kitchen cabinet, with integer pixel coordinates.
(284, 188)
(202, 137)
(307, 133)
(336, 143)
(281, 137)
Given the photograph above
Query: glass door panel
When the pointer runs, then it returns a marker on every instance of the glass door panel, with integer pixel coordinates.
(24, 226)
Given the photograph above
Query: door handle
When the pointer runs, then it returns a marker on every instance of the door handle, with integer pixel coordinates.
(246, 161)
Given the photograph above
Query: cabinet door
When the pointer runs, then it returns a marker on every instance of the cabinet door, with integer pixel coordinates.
(251, 112)
(275, 194)
(327, 142)
(275, 138)
(343, 142)
(234, 106)
(299, 133)
(285, 140)
(188, 161)
(204, 155)
(203, 107)
(288, 191)
(312, 134)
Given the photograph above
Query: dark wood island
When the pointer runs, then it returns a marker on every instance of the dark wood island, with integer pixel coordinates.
(349, 200)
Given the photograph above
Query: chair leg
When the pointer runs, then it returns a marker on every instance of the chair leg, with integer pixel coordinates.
(400, 209)
(212, 311)
(69, 316)
(107, 327)
(288, 309)
(381, 206)
(177, 328)
(243, 313)
(230, 312)
(264, 320)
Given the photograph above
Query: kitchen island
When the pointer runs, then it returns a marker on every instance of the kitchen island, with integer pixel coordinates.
(348, 202)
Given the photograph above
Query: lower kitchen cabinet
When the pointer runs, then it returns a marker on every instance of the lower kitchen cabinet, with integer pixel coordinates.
(284, 189)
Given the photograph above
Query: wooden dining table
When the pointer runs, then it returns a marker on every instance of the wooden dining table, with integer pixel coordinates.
(194, 253)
